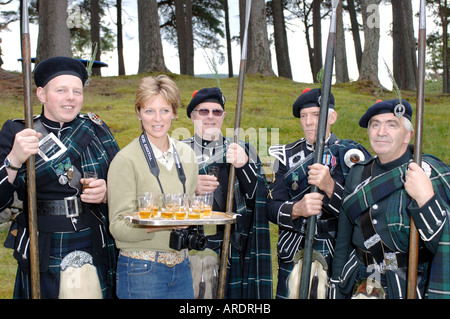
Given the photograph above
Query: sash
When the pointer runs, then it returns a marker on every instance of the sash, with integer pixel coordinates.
(374, 189)
(93, 147)
(220, 157)
(153, 164)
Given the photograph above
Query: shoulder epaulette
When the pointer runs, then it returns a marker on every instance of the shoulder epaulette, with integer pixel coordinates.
(92, 116)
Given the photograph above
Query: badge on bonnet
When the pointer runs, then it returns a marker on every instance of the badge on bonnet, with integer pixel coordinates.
(399, 110)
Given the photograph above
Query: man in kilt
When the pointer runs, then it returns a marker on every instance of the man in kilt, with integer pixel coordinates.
(380, 197)
(250, 269)
(73, 236)
(290, 200)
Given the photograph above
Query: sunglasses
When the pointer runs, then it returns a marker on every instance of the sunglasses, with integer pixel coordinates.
(205, 112)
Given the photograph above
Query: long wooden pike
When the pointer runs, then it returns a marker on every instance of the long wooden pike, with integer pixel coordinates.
(420, 102)
(31, 173)
(319, 149)
(232, 176)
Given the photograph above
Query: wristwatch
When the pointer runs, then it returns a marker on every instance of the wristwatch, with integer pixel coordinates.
(8, 165)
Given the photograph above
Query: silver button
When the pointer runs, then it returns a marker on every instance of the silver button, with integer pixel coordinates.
(375, 206)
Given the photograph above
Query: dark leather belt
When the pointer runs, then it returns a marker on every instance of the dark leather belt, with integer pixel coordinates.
(69, 207)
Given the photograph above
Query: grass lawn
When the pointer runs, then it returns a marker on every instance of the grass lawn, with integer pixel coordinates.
(8, 268)
(266, 114)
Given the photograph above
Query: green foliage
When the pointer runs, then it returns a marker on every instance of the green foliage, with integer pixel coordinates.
(208, 28)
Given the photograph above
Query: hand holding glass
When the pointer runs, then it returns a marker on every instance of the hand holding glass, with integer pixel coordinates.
(88, 177)
(214, 171)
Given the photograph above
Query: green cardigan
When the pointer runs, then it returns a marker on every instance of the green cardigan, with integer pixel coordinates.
(128, 176)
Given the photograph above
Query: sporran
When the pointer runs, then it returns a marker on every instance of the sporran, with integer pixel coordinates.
(79, 278)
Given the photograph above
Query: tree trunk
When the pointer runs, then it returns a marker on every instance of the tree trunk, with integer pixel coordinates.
(317, 30)
(445, 68)
(281, 43)
(54, 35)
(306, 12)
(355, 31)
(369, 61)
(341, 55)
(95, 33)
(151, 58)
(120, 39)
(404, 45)
(258, 54)
(183, 15)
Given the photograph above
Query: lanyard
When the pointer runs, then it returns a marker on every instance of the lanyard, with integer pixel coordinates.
(153, 164)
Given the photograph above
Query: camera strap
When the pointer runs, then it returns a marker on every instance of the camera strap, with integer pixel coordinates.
(153, 164)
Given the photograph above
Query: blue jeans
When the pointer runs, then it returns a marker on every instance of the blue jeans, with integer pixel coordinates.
(142, 279)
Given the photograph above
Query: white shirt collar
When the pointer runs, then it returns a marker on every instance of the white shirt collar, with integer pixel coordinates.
(165, 158)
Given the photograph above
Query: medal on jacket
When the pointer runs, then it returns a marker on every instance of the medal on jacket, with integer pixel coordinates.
(294, 185)
(65, 171)
(63, 179)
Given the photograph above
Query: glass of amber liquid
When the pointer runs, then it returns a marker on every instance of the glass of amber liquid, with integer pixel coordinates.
(88, 177)
(207, 204)
(144, 206)
(181, 206)
(153, 203)
(196, 207)
(167, 207)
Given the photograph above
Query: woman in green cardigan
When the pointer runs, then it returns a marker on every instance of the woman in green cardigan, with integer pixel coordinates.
(147, 267)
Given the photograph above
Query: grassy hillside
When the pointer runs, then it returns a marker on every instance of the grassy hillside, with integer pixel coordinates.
(267, 105)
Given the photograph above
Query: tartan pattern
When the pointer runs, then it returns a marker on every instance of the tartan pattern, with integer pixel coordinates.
(391, 184)
(61, 244)
(93, 143)
(338, 150)
(96, 146)
(250, 271)
(439, 282)
(375, 190)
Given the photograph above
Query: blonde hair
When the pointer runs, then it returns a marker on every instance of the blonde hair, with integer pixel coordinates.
(152, 86)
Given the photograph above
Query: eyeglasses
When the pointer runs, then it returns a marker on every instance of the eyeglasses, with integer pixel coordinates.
(205, 112)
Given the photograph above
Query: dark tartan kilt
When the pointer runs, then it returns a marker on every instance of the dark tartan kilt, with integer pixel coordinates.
(61, 244)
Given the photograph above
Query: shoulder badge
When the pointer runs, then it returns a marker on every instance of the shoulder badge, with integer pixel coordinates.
(353, 156)
(279, 152)
(95, 118)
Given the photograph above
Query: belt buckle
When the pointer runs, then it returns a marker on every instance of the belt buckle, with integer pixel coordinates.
(169, 259)
(391, 261)
(71, 206)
